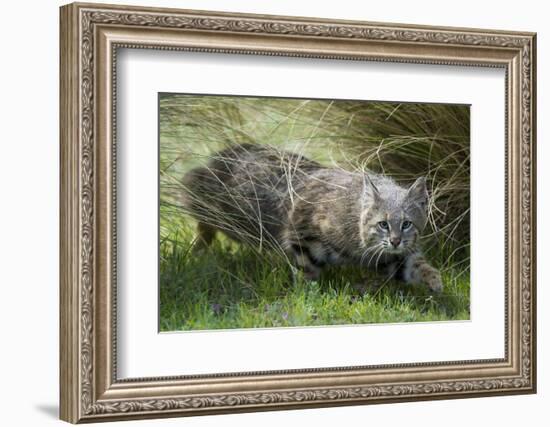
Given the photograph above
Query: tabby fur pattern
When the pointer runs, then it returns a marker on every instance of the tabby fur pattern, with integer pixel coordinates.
(316, 215)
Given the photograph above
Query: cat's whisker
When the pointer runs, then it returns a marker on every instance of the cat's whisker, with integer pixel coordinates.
(379, 250)
(369, 250)
(378, 259)
(366, 253)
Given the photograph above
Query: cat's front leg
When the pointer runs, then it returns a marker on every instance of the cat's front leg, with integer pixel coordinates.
(304, 261)
(417, 270)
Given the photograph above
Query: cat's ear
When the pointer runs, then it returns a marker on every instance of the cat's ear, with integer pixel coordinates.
(418, 192)
(370, 188)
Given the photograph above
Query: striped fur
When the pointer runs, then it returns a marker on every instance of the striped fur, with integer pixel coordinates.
(317, 216)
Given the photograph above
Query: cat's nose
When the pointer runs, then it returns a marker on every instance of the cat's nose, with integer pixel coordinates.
(395, 241)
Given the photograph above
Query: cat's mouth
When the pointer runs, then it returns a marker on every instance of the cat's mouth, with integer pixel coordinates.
(395, 250)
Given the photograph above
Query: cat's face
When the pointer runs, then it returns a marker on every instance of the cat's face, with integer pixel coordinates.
(393, 217)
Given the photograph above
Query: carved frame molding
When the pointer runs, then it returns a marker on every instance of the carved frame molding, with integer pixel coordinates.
(90, 36)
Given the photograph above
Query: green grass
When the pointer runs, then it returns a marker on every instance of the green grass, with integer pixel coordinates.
(230, 286)
(233, 286)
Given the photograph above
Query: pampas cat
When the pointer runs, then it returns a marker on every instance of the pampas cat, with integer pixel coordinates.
(317, 215)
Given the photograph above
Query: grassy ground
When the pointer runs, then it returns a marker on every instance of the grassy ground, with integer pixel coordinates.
(231, 286)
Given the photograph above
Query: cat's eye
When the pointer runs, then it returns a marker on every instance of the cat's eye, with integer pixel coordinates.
(406, 225)
(384, 225)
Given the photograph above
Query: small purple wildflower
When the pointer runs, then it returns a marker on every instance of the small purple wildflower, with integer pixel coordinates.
(285, 316)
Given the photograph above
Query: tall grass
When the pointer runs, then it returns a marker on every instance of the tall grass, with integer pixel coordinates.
(399, 139)
(407, 140)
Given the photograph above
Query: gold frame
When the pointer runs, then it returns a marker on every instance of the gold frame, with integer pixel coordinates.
(90, 36)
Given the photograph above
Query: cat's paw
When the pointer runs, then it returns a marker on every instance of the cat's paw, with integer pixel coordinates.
(434, 282)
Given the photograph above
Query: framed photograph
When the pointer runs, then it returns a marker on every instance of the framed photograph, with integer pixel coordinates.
(266, 212)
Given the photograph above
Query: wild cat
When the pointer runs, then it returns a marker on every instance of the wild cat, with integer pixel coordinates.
(317, 215)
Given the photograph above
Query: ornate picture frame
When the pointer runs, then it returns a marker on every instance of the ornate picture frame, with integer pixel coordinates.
(90, 37)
